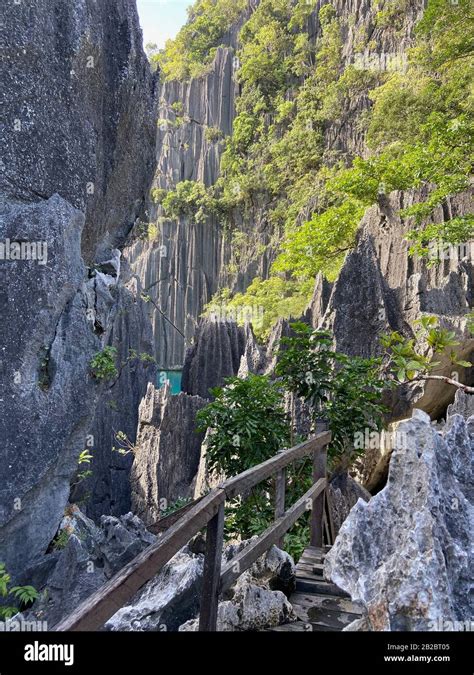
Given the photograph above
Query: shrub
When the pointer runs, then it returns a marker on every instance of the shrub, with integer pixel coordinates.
(103, 366)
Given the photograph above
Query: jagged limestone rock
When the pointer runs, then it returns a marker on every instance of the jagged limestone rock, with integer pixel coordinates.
(84, 124)
(406, 554)
(382, 288)
(344, 493)
(47, 390)
(167, 451)
(77, 158)
(167, 600)
(84, 557)
(121, 540)
(200, 257)
(107, 490)
(463, 405)
(252, 608)
(215, 355)
(256, 600)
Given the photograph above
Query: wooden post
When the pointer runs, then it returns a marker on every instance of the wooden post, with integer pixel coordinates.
(280, 490)
(212, 572)
(317, 514)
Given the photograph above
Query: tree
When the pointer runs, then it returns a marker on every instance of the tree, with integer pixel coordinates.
(411, 359)
(345, 391)
(248, 425)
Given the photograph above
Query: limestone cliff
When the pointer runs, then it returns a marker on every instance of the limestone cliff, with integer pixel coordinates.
(77, 158)
(188, 261)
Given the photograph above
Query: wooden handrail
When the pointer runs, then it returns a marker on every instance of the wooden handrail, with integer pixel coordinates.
(248, 479)
(209, 511)
(112, 596)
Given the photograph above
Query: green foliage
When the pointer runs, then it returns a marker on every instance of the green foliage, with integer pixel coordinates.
(103, 366)
(346, 391)
(84, 458)
(24, 594)
(321, 243)
(174, 506)
(409, 359)
(421, 135)
(191, 198)
(193, 49)
(125, 445)
(266, 301)
(62, 538)
(249, 425)
(248, 421)
(213, 134)
(157, 195)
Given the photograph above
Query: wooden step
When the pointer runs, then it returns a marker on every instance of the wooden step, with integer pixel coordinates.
(332, 618)
(310, 584)
(311, 568)
(326, 602)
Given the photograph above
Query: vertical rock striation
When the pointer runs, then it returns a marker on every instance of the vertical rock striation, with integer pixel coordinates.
(167, 452)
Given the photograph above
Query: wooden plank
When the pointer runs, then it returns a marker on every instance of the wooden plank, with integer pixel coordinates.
(319, 471)
(311, 585)
(326, 602)
(248, 479)
(166, 522)
(251, 553)
(107, 600)
(329, 617)
(295, 627)
(212, 571)
(310, 559)
(280, 493)
(310, 568)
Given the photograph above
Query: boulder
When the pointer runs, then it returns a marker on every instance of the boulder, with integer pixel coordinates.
(166, 601)
(406, 554)
(252, 604)
(82, 557)
(344, 493)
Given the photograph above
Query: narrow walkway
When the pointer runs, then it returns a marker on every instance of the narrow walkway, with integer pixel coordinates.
(318, 604)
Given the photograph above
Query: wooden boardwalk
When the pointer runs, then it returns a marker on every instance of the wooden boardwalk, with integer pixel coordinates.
(318, 604)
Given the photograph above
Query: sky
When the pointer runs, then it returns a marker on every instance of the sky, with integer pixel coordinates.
(161, 19)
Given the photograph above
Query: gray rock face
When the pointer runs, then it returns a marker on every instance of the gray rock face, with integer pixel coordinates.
(77, 158)
(79, 111)
(463, 405)
(166, 601)
(171, 599)
(215, 355)
(344, 493)
(107, 490)
(406, 554)
(46, 388)
(253, 603)
(89, 556)
(189, 260)
(167, 453)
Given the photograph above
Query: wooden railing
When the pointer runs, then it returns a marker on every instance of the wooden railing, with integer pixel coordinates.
(209, 511)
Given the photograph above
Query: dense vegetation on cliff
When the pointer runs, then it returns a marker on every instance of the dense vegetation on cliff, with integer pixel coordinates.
(293, 87)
